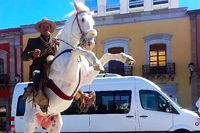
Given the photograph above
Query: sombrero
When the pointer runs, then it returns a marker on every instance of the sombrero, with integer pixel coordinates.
(45, 20)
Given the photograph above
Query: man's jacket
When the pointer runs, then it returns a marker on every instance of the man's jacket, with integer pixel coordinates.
(36, 43)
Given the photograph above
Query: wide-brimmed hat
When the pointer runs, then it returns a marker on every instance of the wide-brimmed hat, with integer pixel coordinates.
(45, 20)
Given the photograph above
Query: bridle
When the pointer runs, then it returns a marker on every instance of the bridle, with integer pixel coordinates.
(79, 27)
(78, 22)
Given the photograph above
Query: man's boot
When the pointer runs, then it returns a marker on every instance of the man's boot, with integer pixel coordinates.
(42, 100)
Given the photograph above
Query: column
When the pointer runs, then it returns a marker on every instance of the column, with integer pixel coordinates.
(124, 6)
(173, 3)
(101, 7)
(148, 5)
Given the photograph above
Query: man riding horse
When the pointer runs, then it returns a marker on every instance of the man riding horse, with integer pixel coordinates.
(38, 50)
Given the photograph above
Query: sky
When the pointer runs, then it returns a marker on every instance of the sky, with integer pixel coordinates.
(15, 13)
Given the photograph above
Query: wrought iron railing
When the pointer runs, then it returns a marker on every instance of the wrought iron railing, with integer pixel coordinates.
(124, 71)
(148, 70)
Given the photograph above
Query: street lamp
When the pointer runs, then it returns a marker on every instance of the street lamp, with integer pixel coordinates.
(191, 68)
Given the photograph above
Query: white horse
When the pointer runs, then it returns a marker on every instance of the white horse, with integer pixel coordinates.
(69, 71)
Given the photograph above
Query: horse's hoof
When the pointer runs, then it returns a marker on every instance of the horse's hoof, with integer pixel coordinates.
(130, 61)
(98, 67)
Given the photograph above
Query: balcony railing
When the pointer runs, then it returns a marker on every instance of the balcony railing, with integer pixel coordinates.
(150, 71)
(4, 79)
(124, 71)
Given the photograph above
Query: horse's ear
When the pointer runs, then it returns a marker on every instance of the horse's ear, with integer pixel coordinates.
(76, 5)
(92, 12)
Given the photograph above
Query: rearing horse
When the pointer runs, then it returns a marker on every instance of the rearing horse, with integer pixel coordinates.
(69, 71)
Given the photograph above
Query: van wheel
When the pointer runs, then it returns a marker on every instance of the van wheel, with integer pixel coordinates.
(182, 131)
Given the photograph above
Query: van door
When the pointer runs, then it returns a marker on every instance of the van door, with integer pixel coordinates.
(153, 112)
(113, 112)
(18, 106)
(73, 119)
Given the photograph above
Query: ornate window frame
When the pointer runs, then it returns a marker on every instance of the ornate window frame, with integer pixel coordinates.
(156, 39)
(116, 42)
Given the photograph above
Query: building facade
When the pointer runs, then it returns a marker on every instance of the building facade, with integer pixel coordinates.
(161, 37)
(151, 31)
(195, 55)
(10, 71)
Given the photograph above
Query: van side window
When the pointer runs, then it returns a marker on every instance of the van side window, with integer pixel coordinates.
(20, 106)
(107, 102)
(152, 100)
(115, 102)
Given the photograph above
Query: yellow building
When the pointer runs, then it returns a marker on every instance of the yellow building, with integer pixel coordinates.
(160, 43)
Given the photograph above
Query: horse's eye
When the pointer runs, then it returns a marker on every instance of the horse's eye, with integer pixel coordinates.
(83, 20)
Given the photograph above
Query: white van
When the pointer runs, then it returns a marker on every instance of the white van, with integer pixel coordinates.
(123, 104)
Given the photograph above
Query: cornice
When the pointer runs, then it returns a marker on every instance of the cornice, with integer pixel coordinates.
(136, 17)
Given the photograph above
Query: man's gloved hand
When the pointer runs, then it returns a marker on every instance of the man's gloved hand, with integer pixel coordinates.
(36, 53)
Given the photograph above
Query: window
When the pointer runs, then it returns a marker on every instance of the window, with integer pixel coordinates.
(112, 5)
(1, 66)
(116, 66)
(20, 106)
(156, 2)
(152, 100)
(158, 55)
(92, 4)
(136, 3)
(107, 102)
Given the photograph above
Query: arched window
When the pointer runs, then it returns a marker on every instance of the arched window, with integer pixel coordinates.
(158, 55)
(114, 46)
(158, 41)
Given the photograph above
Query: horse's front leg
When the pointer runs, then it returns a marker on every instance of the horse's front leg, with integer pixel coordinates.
(121, 57)
(90, 56)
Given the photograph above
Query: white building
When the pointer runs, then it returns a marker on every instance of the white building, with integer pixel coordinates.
(110, 7)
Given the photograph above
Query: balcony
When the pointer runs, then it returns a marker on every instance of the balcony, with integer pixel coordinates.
(124, 71)
(167, 71)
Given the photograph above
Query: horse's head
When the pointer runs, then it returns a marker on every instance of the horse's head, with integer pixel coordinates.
(79, 25)
(84, 20)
